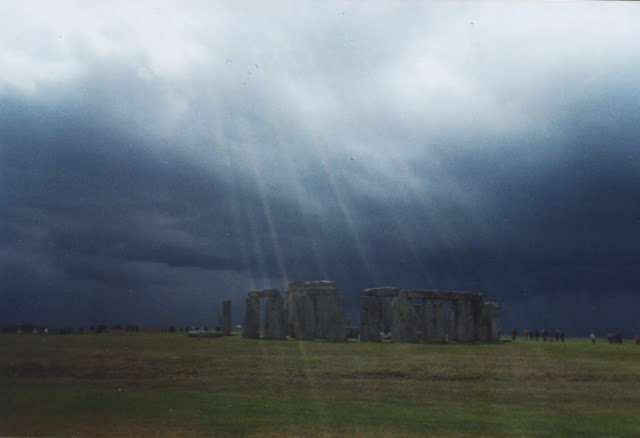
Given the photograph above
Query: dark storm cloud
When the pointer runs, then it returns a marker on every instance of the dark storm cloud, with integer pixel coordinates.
(161, 167)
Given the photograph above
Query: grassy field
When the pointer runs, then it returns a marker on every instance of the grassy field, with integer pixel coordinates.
(160, 384)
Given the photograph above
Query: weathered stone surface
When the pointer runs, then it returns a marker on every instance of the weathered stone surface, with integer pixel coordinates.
(469, 322)
(321, 303)
(382, 292)
(252, 319)
(265, 293)
(491, 313)
(404, 325)
(302, 316)
(292, 308)
(335, 325)
(307, 317)
(225, 321)
(322, 287)
(295, 286)
(387, 313)
(307, 308)
(440, 294)
(482, 332)
(370, 319)
(451, 323)
(476, 308)
(274, 324)
(463, 321)
(433, 321)
(321, 284)
(290, 313)
(462, 317)
(321, 291)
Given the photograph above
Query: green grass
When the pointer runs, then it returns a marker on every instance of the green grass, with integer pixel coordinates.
(158, 384)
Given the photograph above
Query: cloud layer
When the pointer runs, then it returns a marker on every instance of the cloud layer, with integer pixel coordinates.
(157, 159)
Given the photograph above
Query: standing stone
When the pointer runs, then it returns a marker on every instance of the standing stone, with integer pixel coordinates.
(225, 323)
(370, 319)
(335, 327)
(252, 319)
(294, 290)
(476, 308)
(307, 308)
(465, 330)
(274, 324)
(387, 313)
(492, 311)
(404, 324)
(308, 317)
(483, 328)
(387, 294)
(293, 309)
(433, 317)
(460, 320)
(469, 322)
(321, 304)
(451, 323)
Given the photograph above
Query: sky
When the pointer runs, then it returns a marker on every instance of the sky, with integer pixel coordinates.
(157, 158)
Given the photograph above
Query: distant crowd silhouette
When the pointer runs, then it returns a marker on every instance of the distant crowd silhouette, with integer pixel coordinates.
(530, 335)
(614, 338)
(559, 336)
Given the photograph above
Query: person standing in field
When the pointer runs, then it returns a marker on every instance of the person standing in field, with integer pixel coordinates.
(537, 334)
(593, 338)
(544, 335)
(637, 339)
(562, 336)
(526, 334)
(513, 334)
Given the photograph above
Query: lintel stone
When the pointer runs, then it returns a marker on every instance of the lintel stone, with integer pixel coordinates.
(321, 291)
(321, 287)
(440, 294)
(382, 292)
(295, 287)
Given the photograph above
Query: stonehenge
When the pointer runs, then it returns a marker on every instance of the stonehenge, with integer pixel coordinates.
(469, 319)
(370, 319)
(274, 325)
(314, 310)
(251, 326)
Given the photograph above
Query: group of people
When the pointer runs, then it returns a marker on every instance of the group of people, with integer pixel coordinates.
(613, 338)
(530, 335)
